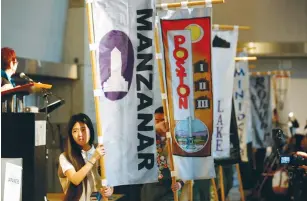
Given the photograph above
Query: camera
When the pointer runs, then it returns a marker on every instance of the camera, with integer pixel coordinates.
(297, 175)
(293, 160)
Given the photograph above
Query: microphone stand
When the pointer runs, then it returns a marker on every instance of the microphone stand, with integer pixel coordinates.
(46, 94)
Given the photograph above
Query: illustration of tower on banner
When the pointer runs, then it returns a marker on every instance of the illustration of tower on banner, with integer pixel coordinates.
(116, 82)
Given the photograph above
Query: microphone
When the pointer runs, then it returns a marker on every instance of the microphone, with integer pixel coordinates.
(25, 77)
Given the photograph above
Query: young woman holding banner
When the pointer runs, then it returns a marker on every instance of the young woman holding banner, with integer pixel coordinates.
(78, 171)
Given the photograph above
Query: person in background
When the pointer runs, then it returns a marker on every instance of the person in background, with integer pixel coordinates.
(293, 124)
(201, 190)
(163, 190)
(78, 171)
(9, 65)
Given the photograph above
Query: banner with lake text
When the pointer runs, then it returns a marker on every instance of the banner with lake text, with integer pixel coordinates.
(224, 47)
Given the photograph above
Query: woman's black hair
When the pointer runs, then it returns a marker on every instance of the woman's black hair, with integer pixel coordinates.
(74, 156)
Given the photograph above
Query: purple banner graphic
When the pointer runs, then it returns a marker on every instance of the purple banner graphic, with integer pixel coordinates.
(116, 76)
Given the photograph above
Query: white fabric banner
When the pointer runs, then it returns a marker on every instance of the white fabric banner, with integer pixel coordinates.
(184, 113)
(224, 47)
(192, 157)
(281, 86)
(261, 111)
(124, 32)
(242, 104)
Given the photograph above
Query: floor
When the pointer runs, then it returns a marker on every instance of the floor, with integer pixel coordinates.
(234, 194)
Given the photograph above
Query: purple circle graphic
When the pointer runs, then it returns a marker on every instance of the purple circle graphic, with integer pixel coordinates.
(115, 49)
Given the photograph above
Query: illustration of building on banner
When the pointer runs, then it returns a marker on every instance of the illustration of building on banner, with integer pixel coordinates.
(201, 66)
(201, 85)
(202, 102)
(116, 82)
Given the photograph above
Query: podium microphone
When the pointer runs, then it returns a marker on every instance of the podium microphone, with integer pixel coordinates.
(25, 77)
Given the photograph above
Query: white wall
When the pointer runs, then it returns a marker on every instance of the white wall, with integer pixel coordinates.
(78, 93)
(34, 28)
(298, 94)
(270, 20)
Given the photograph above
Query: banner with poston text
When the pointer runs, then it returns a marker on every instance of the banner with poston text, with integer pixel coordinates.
(186, 38)
(261, 111)
(124, 32)
(224, 47)
(242, 103)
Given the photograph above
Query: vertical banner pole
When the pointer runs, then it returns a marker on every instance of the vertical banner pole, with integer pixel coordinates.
(91, 40)
(222, 183)
(216, 197)
(168, 140)
(191, 190)
(190, 185)
(240, 183)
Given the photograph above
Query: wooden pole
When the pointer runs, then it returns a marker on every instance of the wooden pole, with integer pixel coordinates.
(277, 73)
(216, 196)
(188, 4)
(187, 191)
(229, 27)
(91, 40)
(245, 58)
(165, 109)
(240, 183)
(190, 190)
(251, 66)
(222, 182)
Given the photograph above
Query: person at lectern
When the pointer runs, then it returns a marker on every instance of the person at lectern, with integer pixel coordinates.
(78, 171)
(9, 65)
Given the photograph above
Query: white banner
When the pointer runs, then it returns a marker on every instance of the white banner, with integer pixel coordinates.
(261, 111)
(281, 86)
(187, 68)
(124, 32)
(182, 39)
(224, 47)
(242, 104)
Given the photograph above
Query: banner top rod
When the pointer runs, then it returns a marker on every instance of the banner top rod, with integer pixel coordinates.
(245, 58)
(278, 73)
(188, 4)
(252, 66)
(230, 27)
(245, 49)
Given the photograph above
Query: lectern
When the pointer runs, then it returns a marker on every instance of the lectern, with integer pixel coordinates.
(23, 135)
(11, 104)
